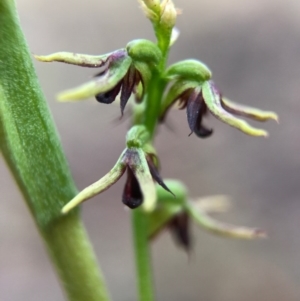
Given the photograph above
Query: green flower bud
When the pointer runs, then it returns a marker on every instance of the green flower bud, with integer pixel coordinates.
(168, 14)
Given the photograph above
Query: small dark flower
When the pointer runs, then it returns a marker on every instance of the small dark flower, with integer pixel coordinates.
(195, 91)
(124, 71)
(139, 187)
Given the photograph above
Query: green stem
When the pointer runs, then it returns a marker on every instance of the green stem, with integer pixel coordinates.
(32, 150)
(153, 100)
(142, 255)
(139, 219)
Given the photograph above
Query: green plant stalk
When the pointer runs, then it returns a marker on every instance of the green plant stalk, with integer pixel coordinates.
(32, 150)
(142, 255)
(139, 219)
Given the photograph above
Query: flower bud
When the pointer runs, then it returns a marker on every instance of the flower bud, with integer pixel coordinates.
(168, 14)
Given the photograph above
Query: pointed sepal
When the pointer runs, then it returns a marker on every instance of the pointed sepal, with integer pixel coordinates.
(201, 217)
(249, 112)
(104, 183)
(83, 60)
(106, 81)
(213, 100)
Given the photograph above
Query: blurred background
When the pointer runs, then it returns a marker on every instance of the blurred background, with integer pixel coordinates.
(253, 49)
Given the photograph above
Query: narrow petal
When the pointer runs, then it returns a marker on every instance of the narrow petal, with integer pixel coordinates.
(212, 99)
(242, 110)
(223, 229)
(127, 87)
(144, 72)
(138, 164)
(109, 96)
(83, 60)
(177, 90)
(132, 195)
(156, 176)
(104, 183)
(101, 84)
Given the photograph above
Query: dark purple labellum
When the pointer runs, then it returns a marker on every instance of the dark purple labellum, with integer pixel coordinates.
(132, 195)
(127, 87)
(203, 132)
(109, 96)
(180, 228)
(195, 110)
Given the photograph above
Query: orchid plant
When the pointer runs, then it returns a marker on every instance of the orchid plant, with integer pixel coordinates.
(137, 75)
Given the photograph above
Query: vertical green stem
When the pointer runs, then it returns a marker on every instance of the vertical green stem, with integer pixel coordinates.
(154, 96)
(142, 255)
(32, 150)
(139, 219)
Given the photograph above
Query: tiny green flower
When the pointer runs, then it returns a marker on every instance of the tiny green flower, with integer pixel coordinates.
(141, 173)
(123, 72)
(177, 214)
(199, 95)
